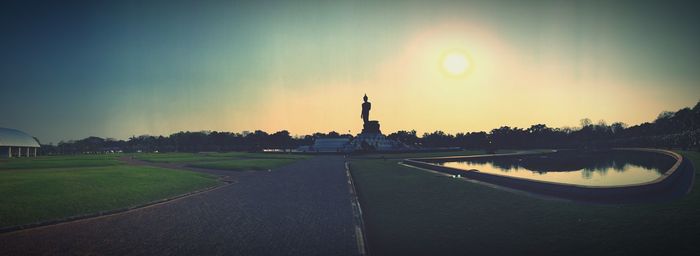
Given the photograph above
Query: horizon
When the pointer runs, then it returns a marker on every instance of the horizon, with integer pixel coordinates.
(418, 133)
(116, 70)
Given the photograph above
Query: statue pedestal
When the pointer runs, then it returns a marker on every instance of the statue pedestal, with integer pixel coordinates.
(372, 142)
(372, 139)
(371, 127)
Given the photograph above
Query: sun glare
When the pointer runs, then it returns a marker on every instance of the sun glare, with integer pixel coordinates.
(455, 63)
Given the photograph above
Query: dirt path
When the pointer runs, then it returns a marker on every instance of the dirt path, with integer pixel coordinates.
(225, 175)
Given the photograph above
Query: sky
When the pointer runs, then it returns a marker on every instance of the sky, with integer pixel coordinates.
(122, 68)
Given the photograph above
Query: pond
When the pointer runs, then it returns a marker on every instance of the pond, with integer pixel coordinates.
(589, 168)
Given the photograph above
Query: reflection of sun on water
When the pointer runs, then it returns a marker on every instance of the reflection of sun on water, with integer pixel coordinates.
(630, 174)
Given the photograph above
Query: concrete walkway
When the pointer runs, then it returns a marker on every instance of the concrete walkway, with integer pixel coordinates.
(300, 209)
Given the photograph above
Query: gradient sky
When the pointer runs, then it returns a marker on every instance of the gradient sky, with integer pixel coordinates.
(121, 68)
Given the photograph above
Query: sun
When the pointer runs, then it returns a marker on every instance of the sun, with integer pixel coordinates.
(456, 63)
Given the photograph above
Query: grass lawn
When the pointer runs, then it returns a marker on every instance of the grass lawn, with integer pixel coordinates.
(224, 161)
(431, 154)
(420, 154)
(413, 212)
(260, 155)
(177, 157)
(244, 164)
(31, 195)
(59, 161)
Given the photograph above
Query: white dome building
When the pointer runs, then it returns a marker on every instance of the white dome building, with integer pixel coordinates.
(14, 143)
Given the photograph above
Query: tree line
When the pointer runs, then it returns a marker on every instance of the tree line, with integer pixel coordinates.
(679, 129)
(202, 141)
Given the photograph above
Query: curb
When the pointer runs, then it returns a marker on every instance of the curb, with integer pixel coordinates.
(357, 214)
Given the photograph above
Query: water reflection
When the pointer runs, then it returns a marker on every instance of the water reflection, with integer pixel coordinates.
(598, 168)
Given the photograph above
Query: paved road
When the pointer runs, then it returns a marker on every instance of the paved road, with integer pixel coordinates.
(300, 209)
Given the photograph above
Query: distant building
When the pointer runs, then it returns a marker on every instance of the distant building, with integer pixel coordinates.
(14, 143)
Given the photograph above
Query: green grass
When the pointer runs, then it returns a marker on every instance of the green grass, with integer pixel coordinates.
(259, 155)
(236, 161)
(210, 157)
(427, 154)
(177, 157)
(38, 195)
(55, 187)
(59, 161)
(244, 164)
(413, 212)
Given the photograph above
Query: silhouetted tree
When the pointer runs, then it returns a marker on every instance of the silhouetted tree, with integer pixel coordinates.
(680, 129)
(406, 137)
(437, 139)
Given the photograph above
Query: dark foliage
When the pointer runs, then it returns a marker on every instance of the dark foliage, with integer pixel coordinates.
(680, 129)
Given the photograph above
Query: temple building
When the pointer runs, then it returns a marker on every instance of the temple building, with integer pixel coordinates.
(14, 143)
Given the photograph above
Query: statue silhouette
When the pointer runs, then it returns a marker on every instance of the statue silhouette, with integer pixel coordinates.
(368, 126)
(366, 106)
